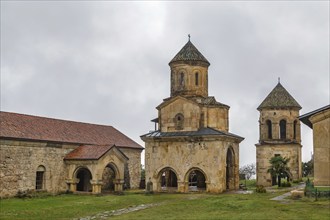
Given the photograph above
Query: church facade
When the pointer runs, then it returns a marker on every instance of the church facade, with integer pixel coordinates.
(279, 129)
(45, 154)
(192, 149)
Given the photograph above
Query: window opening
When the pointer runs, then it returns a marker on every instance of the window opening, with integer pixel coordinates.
(269, 129)
(196, 79)
(283, 129)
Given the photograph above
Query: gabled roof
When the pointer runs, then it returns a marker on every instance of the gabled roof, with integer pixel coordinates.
(305, 117)
(209, 101)
(91, 152)
(279, 97)
(201, 132)
(28, 127)
(189, 53)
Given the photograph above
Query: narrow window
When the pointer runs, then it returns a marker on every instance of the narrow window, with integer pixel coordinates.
(181, 79)
(196, 79)
(295, 130)
(40, 175)
(179, 119)
(283, 129)
(269, 129)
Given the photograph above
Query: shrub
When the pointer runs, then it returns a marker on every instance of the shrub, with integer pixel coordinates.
(286, 184)
(260, 189)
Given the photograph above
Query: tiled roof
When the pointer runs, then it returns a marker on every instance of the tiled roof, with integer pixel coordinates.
(279, 98)
(200, 132)
(20, 126)
(189, 53)
(90, 152)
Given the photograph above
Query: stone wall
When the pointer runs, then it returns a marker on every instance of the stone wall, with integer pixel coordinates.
(134, 166)
(321, 141)
(266, 152)
(19, 161)
(207, 156)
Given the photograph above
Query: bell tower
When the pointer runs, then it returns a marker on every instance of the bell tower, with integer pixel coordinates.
(189, 70)
(279, 134)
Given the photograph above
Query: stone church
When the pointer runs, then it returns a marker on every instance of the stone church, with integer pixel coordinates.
(192, 148)
(279, 129)
(46, 154)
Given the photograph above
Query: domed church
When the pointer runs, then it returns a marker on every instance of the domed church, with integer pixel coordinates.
(191, 148)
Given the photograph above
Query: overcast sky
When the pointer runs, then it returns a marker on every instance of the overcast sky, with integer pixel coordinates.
(107, 62)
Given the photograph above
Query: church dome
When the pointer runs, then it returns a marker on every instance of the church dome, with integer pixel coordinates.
(188, 54)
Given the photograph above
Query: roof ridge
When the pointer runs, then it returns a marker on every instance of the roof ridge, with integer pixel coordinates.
(55, 119)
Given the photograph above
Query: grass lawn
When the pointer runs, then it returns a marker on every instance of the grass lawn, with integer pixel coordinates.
(170, 206)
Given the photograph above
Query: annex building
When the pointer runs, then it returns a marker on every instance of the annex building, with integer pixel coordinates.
(279, 130)
(319, 121)
(192, 148)
(46, 154)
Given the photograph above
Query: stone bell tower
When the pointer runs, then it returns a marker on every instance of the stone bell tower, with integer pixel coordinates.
(279, 129)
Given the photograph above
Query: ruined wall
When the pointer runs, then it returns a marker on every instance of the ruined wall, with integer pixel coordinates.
(19, 161)
(321, 141)
(266, 152)
(181, 156)
(133, 170)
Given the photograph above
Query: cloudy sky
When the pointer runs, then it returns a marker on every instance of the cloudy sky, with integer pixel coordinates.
(106, 62)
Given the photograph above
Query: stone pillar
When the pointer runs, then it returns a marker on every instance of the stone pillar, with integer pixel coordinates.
(118, 185)
(96, 186)
(182, 186)
(72, 183)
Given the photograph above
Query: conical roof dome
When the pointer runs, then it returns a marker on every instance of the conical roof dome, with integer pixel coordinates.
(279, 98)
(189, 53)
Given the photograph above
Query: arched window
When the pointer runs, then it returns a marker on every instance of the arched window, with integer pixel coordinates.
(269, 129)
(295, 130)
(181, 82)
(196, 79)
(40, 176)
(282, 129)
(178, 120)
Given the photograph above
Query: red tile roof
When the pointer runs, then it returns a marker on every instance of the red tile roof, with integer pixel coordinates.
(90, 152)
(20, 126)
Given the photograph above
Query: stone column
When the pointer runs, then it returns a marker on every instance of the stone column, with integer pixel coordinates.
(96, 186)
(118, 185)
(72, 183)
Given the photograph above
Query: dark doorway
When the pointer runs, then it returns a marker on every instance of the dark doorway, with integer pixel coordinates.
(84, 176)
(230, 179)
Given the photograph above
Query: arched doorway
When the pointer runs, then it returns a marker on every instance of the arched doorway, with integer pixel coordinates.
(230, 169)
(196, 180)
(168, 180)
(108, 178)
(84, 176)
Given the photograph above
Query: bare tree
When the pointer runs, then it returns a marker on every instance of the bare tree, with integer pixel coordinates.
(248, 170)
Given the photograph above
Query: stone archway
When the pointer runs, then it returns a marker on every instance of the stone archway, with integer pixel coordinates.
(196, 180)
(230, 169)
(109, 176)
(84, 176)
(167, 180)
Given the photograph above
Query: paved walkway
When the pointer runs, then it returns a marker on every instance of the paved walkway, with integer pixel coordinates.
(283, 197)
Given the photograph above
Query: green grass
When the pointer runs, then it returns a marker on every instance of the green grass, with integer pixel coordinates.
(171, 206)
